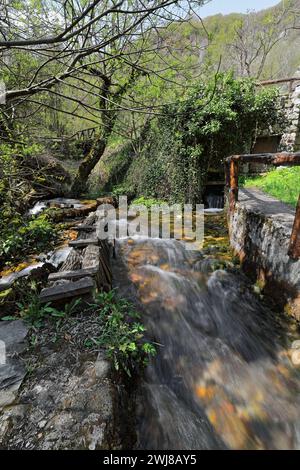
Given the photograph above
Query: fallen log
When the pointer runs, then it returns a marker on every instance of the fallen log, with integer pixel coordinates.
(84, 228)
(72, 213)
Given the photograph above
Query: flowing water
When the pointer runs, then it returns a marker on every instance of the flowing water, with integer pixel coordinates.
(55, 257)
(59, 202)
(223, 376)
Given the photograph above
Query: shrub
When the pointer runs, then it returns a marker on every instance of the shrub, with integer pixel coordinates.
(217, 119)
(120, 334)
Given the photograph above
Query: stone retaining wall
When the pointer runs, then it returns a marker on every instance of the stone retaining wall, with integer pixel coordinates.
(290, 102)
(260, 230)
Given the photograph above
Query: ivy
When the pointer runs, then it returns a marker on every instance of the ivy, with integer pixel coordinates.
(218, 118)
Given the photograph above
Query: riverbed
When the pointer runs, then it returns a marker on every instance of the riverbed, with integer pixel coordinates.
(223, 376)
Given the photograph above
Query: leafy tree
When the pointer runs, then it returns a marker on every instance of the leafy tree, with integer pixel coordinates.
(218, 118)
(85, 52)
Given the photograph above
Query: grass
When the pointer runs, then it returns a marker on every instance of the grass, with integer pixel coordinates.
(283, 183)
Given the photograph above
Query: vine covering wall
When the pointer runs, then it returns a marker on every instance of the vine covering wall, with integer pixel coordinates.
(218, 118)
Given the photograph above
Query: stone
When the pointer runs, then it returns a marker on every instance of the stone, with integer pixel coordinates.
(13, 333)
(67, 405)
(260, 232)
(12, 369)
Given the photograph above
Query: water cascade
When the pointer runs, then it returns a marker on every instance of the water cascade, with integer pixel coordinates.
(223, 377)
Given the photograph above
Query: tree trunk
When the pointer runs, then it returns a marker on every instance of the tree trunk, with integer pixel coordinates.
(79, 185)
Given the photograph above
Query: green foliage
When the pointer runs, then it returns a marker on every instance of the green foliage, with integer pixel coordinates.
(19, 232)
(218, 118)
(111, 323)
(121, 334)
(24, 235)
(147, 202)
(35, 313)
(283, 183)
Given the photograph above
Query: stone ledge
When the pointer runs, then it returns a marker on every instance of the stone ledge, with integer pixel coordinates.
(260, 230)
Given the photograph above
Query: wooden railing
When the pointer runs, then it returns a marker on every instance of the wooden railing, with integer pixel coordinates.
(276, 159)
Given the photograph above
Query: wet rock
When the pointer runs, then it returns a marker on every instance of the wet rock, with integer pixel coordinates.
(12, 370)
(13, 333)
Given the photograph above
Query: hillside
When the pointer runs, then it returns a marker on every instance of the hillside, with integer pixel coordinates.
(259, 31)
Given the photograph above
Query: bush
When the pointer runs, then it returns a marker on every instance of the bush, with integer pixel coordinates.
(147, 202)
(120, 333)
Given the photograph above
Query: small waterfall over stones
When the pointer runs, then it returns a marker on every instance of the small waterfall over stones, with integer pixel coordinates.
(223, 376)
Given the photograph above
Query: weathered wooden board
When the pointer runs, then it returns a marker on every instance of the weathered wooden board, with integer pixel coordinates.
(84, 228)
(82, 243)
(90, 257)
(104, 247)
(91, 260)
(71, 275)
(67, 290)
(90, 219)
(73, 261)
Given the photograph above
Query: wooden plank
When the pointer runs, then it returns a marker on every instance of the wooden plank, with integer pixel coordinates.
(67, 290)
(90, 257)
(98, 256)
(278, 80)
(294, 249)
(73, 261)
(234, 183)
(104, 247)
(283, 158)
(106, 268)
(78, 274)
(84, 228)
(82, 243)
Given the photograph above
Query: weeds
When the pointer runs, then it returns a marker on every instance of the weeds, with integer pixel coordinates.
(121, 334)
(110, 324)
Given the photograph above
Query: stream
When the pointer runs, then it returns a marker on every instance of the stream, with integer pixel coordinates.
(55, 257)
(223, 376)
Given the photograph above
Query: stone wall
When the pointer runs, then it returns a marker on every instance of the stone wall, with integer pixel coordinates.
(290, 101)
(260, 230)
